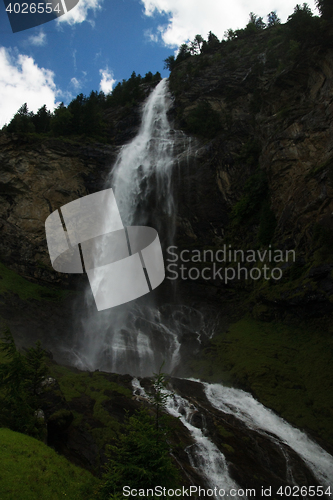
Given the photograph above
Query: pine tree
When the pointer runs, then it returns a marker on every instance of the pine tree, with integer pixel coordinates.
(159, 396)
(139, 458)
(22, 121)
(42, 120)
(273, 19)
(20, 377)
(196, 44)
(325, 8)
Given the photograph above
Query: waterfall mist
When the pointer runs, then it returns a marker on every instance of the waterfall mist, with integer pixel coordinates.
(139, 336)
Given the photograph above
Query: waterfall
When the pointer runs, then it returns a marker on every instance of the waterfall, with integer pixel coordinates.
(141, 177)
(210, 462)
(256, 416)
(203, 455)
(139, 336)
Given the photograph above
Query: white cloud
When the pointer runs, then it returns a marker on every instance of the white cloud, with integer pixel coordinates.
(39, 39)
(76, 84)
(80, 12)
(107, 82)
(188, 18)
(151, 37)
(21, 80)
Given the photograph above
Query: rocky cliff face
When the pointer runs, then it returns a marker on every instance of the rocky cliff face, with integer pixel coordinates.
(266, 175)
(38, 177)
(275, 131)
(276, 120)
(261, 174)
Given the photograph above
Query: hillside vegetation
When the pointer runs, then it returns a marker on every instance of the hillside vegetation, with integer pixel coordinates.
(30, 470)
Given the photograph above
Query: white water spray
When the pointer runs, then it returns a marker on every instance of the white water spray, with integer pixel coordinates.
(134, 337)
(256, 416)
(137, 337)
(142, 172)
(203, 455)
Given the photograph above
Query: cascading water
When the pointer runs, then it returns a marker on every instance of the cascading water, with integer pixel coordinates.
(256, 416)
(141, 177)
(203, 454)
(208, 460)
(138, 337)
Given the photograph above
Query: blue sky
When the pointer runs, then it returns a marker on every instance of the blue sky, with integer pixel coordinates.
(100, 42)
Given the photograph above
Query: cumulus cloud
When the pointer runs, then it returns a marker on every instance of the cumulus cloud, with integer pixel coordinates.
(21, 80)
(80, 12)
(188, 18)
(107, 81)
(39, 39)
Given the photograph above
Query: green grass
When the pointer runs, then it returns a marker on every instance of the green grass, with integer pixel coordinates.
(74, 384)
(31, 470)
(12, 282)
(286, 368)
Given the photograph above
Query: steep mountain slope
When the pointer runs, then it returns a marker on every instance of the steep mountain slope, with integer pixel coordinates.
(258, 172)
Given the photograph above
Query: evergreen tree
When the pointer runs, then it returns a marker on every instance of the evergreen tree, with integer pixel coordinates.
(157, 77)
(302, 25)
(212, 41)
(272, 19)
(257, 22)
(42, 120)
(75, 107)
(148, 77)
(196, 44)
(91, 117)
(36, 369)
(159, 397)
(139, 458)
(184, 53)
(230, 34)
(325, 8)
(170, 63)
(62, 121)
(22, 121)
(20, 378)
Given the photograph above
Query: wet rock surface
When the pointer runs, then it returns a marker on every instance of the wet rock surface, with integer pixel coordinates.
(254, 460)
